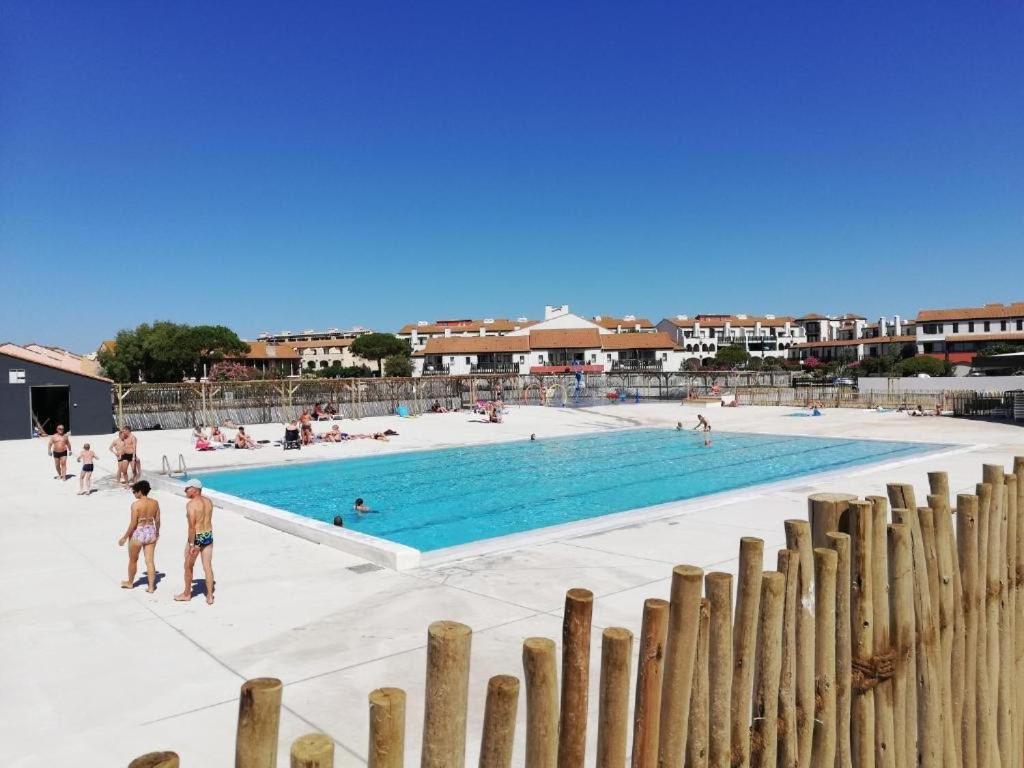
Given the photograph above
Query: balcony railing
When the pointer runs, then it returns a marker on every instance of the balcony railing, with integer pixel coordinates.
(636, 365)
(494, 368)
(436, 370)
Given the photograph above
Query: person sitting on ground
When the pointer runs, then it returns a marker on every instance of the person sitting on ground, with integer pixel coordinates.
(436, 407)
(216, 436)
(360, 507)
(333, 435)
(242, 440)
(317, 412)
(330, 410)
(380, 436)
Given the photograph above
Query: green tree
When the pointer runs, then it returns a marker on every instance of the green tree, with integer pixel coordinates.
(924, 364)
(377, 346)
(732, 356)
(167, 352)
(338, 371)
(999, 348)
(398, 365)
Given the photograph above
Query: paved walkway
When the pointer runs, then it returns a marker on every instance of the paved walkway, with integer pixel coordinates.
(95, 675)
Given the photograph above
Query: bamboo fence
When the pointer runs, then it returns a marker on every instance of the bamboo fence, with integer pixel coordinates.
(891, 634)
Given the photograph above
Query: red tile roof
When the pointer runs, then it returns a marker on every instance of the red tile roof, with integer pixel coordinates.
(988, 312)
(67, 362)
(475, 344)
(572, 338)
(500, 325)
(261, 350)
(659, 340)
(855, 342)
(1011, 337)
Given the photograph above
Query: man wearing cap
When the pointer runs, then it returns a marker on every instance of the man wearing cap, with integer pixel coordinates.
(199, 514)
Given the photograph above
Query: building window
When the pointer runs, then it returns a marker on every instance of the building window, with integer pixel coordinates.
(1002, 325)
(451, 359)
(970, 327)
(931, 328)
(609, 356)
(467, 361)
(522, 358)
(956, 327)
(987, 325)
(593, 357)
(1020, 325)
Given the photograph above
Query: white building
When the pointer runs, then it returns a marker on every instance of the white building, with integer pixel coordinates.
(957, 335)
(851, 337)
(562, 341)
(419, 333)
(286, 337)
(702, 336)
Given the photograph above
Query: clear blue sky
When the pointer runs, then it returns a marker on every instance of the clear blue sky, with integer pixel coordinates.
(327, 164)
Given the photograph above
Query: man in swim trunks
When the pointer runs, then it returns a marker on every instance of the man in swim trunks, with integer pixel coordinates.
(124, 447)
(59, 447)
(199, 515)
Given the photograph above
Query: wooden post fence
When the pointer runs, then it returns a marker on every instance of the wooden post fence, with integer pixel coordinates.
(915, 655)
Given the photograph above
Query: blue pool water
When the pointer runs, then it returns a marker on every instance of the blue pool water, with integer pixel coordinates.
(434, 499)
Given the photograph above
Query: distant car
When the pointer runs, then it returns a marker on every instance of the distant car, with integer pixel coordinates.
(976, 373)
(924, 375)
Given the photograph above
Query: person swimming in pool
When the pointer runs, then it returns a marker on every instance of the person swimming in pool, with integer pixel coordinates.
(360, 507)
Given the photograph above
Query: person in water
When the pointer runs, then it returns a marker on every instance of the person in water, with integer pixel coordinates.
(199, 544)
(143, 532)
(87, 458)
(360, 507)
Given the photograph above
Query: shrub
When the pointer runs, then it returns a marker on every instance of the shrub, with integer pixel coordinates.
(924, 364)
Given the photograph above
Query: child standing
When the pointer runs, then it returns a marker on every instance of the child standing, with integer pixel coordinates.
(86, 457)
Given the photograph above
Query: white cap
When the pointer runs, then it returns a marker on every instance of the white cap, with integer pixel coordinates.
(194, 483)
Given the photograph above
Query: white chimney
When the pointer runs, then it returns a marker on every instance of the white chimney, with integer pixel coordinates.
(447, 333)
(552, 312)
(682, 317)
(483, 331)
(414, 337)
(422, 323)
(488, 320)
(629, 318)
(741, 317)
(769, 317)
(897, 326)
(882, 327)
(597, 318)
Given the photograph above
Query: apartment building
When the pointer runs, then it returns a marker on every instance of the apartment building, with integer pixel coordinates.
(957, 335)
(851, 337)
(701, 336)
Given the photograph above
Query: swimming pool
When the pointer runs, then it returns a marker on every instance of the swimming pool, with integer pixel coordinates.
(430, 500)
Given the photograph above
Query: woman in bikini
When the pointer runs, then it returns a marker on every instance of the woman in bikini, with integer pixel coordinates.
(142, 534)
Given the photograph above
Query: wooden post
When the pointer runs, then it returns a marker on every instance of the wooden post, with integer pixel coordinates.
(499, 722)
(967, 544)
(901, 591)
(825, 511)
(952, 700)
(1018, 631)
(697, 730)
(387, 728)
(718, 587)
(988, 748)
(748, 598)
(680, 652)
(789, 750)
(938, 484)
(1010, 612)
(798, 538)
(541, 676)
(840, 543)
(764, 733)
(314, 750)
(823, 750)
(862, 736)
(572, 728)
(901, 496)
(885, 735)
(259, 714)
(650, 671)
(994, 564)
(155, 760)
(929, 694)
(1006, 694)
(613, 717)
(446, 695)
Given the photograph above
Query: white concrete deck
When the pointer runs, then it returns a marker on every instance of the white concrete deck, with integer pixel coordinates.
(96, 675)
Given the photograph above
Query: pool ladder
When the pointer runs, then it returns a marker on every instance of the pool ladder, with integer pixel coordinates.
(165, 465)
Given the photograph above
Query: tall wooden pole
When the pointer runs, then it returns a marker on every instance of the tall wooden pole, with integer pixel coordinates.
(748, 598)
(840, 543)
(446, 696)
(789, 750)
(885, 735)
(823, 751)
(572, 728)
(718, 587)
(967, 544)
(650, 672)
(697, 730)
(798, 538)
(862, 737)
(680, 653)
(764, 733)
(541, 676)
(613, 717)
